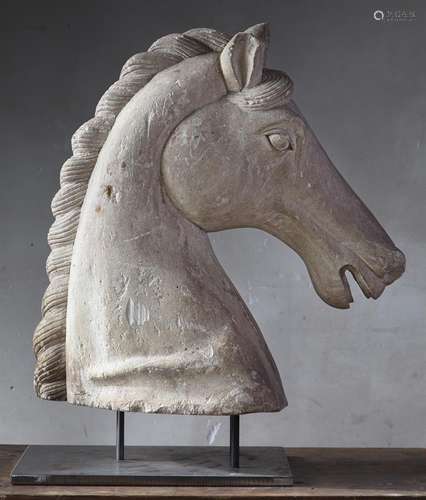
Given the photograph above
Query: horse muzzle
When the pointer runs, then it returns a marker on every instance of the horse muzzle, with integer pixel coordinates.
(374, 264)
(373, 274)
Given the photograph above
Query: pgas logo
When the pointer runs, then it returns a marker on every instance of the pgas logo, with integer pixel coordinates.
(393, 16)
(378, 15)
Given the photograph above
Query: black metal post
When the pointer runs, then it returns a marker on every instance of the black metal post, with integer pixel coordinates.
(119, 444)
(234, 441)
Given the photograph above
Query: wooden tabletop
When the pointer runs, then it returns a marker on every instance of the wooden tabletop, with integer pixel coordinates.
(319, 473)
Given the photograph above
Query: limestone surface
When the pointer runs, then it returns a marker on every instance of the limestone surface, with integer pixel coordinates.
(196, 136)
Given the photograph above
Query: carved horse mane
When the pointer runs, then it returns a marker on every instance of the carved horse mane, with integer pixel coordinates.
(87, 141)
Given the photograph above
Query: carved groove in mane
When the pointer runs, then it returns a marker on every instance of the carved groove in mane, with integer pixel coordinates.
(87, 141)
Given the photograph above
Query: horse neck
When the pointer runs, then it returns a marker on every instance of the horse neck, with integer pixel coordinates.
(146, 291)
(125, 198)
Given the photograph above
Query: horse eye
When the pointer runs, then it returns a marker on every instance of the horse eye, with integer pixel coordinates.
(280, 142)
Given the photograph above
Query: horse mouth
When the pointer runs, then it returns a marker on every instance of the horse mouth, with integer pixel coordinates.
(370, 284)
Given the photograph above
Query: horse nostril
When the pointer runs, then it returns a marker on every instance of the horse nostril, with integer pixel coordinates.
(395, 266)
(399, 259)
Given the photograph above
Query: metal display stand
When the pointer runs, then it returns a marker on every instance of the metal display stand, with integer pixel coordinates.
(119, 436)
(154, 465)
(234, 441)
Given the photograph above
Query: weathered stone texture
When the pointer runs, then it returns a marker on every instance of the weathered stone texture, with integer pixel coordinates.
(196, 136)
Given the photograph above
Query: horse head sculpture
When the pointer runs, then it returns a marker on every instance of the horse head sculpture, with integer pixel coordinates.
(196, 136)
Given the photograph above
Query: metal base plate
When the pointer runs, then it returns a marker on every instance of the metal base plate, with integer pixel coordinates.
(151, 465)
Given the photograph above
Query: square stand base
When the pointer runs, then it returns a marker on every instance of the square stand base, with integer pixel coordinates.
(151, 466)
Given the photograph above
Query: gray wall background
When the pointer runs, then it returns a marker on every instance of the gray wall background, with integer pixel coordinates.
(353, 378)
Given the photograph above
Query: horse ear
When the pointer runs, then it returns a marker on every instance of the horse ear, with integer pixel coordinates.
(261, 32)
(243, 58)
